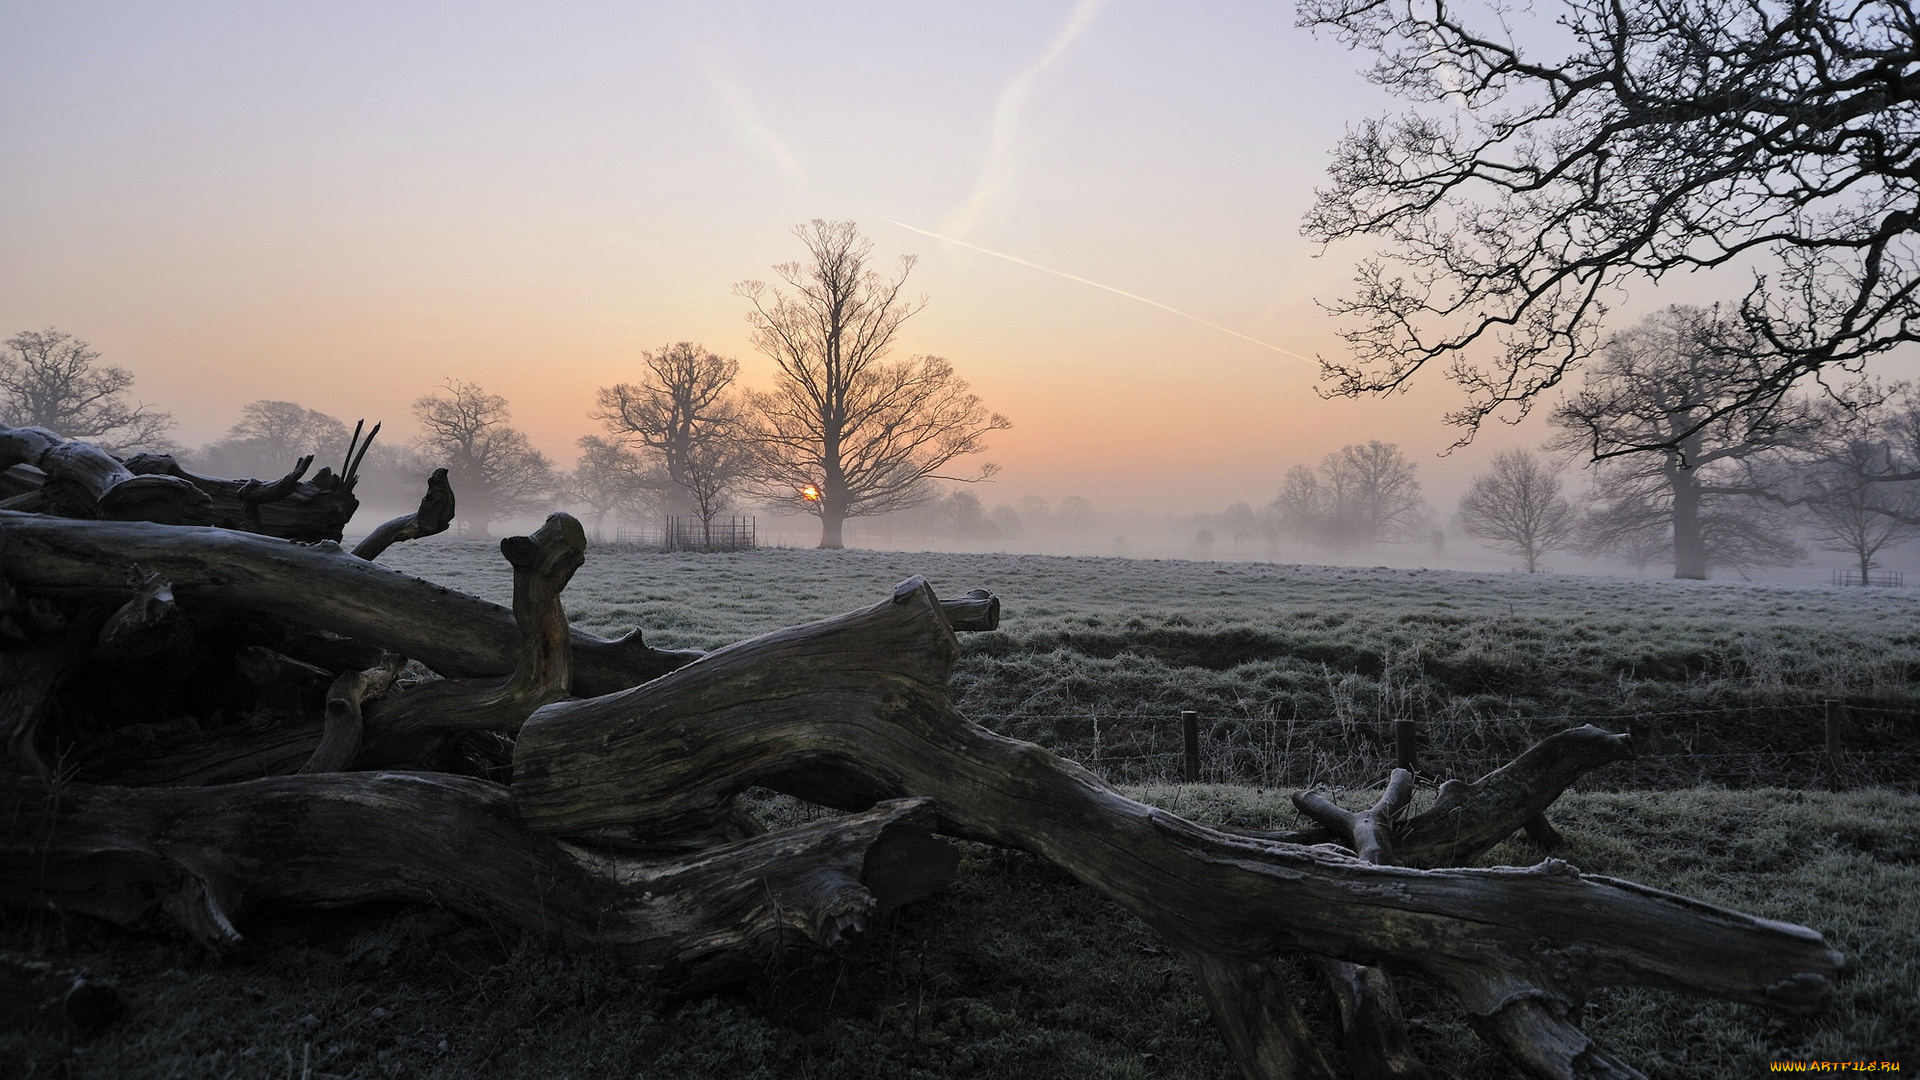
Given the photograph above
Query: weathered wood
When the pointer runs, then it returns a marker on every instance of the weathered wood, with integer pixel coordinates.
(30, 676)
(849, 709)
(1258, 1019)
(281, 681)
(1368, 832)
(197, 860)
(25, 445)
(434, 515)
(542, 564)
(40, 649)
(267, 746)
(1379, 1046)
(977, 610)
(147, 626)
(81, 480)
(289, 507)
(396, 731)
(1469, 818)
(343, 723)
(321, 586)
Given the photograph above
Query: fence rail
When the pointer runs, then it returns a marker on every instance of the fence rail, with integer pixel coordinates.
(1833, 744)
(690, 533)
(1885, 579)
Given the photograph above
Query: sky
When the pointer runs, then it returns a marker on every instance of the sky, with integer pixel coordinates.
(348, 204)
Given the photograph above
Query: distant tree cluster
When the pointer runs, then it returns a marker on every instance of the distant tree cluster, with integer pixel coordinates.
(845, 431)
(53, 380)
(1726, 485)
(1681, 471)
(1361, 495)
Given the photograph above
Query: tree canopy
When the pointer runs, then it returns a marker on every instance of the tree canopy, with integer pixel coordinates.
(493, 466)
(685, 411)
(51, 379)
(1551, 156)
(1673, 382)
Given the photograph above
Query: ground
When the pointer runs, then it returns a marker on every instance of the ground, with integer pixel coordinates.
(1016, 971)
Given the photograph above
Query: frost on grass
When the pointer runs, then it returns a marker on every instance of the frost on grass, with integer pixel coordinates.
(1298, 669)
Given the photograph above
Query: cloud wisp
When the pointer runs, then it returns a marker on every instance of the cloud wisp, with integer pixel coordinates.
(1095, 284)
(1001, 167)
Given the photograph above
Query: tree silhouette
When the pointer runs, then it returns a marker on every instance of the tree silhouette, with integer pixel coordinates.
(844, 432)
(1542, 165)
(1516, 508)
(1674, 382)
(612, 478)
(494, 469)
(53, 380)
(684, 410)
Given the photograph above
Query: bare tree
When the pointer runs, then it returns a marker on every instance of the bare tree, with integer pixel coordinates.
(1856, 479)
(612, 478)
(684, 410)
(1674, 381)
(53, 380)
(1852, 514)
(1304, 506)
(1516, 508)
(845, 433)
(493, 467)
(1362, 494)
(272, 435)
(1554, 153)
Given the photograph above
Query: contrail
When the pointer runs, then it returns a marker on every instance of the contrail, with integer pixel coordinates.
(1088, 281)
(997, 172)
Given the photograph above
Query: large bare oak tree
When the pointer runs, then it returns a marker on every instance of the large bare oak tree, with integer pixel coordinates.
(844, 432)
(1673, 382)
(51, 379)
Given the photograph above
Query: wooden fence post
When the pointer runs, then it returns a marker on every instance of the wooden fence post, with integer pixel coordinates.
(1406, 754)
(1190, 735)
(1835, 716)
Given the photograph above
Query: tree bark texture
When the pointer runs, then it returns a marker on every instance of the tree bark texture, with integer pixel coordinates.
(319, 585)
(196, 861)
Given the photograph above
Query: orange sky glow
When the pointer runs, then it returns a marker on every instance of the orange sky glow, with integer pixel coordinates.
(346, 205)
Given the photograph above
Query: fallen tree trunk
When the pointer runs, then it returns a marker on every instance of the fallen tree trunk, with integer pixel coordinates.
(81, 480)
(1470, 817)
(433, 516)
(542, 564)
(851, 709)
(322, 586)
(455, 634)
(197, 861)
(1379, 1046)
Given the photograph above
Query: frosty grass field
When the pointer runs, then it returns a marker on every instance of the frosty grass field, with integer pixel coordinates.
(1016, 971)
